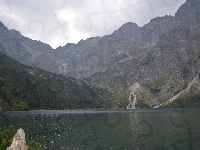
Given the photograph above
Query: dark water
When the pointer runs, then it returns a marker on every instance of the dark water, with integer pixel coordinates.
(147, 129)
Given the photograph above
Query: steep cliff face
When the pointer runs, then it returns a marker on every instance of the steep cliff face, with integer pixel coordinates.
(162, 56)
(27, 51)
(165, 65)
(95, 54)
(100, 54)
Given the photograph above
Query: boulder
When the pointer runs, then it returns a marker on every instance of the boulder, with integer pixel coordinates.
(19, 142)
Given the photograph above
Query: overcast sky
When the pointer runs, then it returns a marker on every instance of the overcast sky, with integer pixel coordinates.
(58, 22)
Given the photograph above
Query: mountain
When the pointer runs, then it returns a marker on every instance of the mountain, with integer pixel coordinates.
(151, 66)
(23, 87)
(163, 69)
(27, 51)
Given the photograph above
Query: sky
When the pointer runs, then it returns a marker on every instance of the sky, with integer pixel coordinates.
(58, 22)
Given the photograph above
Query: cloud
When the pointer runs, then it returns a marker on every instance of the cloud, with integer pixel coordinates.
(58, 22)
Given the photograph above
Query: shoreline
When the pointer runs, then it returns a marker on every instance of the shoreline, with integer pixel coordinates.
(83, 111)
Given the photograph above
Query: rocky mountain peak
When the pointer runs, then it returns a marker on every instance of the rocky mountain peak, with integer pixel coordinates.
(163, 55)
(1, 24)
(187, 9)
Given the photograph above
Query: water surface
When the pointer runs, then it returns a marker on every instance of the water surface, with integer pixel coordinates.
(144, 129)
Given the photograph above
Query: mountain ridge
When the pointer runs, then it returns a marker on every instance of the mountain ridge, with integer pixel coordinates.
(23, 88)
(162, 56)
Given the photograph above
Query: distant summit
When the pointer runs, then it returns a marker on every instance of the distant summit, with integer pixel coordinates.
(162, 56)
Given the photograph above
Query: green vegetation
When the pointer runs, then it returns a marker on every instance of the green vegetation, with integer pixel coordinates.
(6, 137)
(184, 86)
(155, 87)
(119, 85)
(187, 102)
(190, 99)
(32, 145)
(12, 105)
(120, 100)
(141, 104)
(174, 84)
(158, 83)
(142, 95)
(24, 88)
(155, 91)
(142, 99)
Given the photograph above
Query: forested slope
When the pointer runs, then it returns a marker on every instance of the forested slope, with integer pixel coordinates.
(23, 88)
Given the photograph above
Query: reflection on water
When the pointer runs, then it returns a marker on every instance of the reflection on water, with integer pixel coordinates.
(134, 128)
(177, 130)
(101, 130)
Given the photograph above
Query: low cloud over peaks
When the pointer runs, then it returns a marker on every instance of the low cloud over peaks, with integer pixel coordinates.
(60, 22)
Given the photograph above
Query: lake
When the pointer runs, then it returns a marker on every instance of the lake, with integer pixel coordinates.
(142, 129)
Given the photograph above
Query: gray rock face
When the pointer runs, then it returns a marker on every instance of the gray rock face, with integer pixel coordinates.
(27, 51)
(19, 142)
(155, 55)
(165, 65)
(94, 54)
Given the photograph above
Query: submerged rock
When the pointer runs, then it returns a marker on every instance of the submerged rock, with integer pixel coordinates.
(19, 142)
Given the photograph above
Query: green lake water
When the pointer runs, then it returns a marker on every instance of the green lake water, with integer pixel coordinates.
(144, 129)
